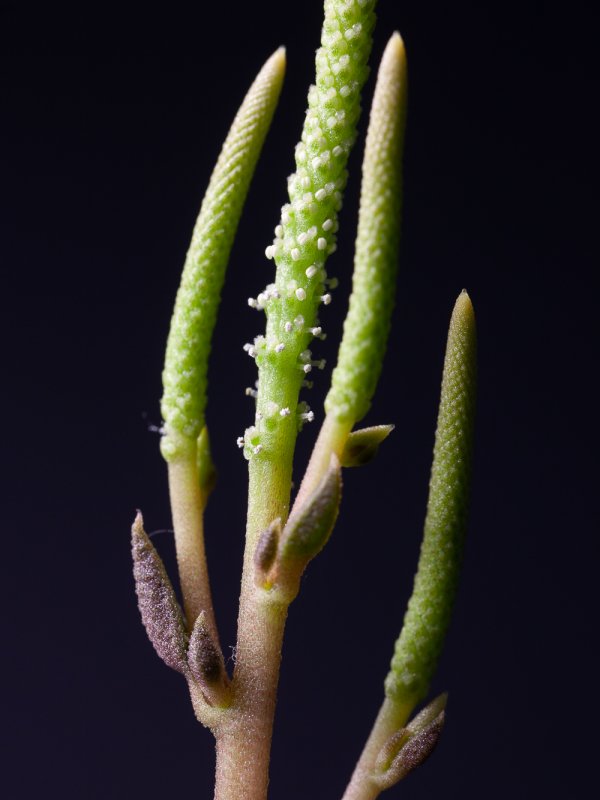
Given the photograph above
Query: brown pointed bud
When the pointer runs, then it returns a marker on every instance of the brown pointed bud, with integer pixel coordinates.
(362, 445)
(308, 529)
(207, 474)
(411, 746)
(158, 605)
(206, 663)
(266, 550)
(431, 711)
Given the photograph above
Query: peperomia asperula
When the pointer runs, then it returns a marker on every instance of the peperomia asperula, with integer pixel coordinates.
(280, 543)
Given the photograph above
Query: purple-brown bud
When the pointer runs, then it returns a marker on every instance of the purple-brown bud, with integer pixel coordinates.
(158, 605)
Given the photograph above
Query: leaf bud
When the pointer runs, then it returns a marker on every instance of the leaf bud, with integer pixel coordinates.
(158, 605)
(362, 445)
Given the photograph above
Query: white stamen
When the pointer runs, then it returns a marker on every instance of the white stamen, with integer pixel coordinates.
(288, 327)
(295, 254)
(308, 416)
(240, 441)
(251, 392)
(311, 271)
(306, 368)
(321, 194)
(302, 238)
(327, 225)
(270, 252)
(285, 412)
(279, 231)
(326, 299)
(316, 331)
(280, 347)
(300, 294)
(256, 450)
(252, 302)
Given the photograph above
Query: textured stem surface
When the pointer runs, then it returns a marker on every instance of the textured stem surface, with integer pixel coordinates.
(244, 741)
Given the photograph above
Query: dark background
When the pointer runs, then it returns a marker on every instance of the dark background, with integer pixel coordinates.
(112, 116)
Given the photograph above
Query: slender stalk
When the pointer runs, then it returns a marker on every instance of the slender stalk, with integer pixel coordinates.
(332, 438)
(392, 716)
(187, 507)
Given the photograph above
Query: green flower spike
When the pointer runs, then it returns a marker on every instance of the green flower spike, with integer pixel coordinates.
(367, 324)
(188, 346)
(428, 615)
(306, 234)
(368, 321)
(419, 645)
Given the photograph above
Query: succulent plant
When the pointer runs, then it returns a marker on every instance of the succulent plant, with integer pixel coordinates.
(282, 538)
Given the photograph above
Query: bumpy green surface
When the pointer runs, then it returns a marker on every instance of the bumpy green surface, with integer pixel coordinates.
(420, 642)
(188, 347)
(368, 322)
(306, 234)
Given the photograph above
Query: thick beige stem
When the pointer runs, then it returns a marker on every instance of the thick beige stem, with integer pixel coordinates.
(244, 740)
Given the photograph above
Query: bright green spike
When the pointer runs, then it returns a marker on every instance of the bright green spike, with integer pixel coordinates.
(188, 347)
(306, 234)
(375, 265)
(428, 614)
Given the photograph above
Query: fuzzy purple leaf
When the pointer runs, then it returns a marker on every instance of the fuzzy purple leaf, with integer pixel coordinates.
(158, 605)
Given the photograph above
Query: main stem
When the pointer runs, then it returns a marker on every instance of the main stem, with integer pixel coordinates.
(244, 738)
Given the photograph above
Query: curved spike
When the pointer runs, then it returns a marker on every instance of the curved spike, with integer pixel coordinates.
(194, 317)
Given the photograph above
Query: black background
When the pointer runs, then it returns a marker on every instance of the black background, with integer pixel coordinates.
(112, 116)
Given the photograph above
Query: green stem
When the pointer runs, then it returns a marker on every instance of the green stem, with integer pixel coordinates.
(187, 507)
(392, 716)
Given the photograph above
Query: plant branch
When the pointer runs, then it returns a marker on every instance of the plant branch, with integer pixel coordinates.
(187, 510)
(392, 716)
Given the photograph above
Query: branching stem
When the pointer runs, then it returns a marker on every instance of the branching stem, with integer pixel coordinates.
(392, 716)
